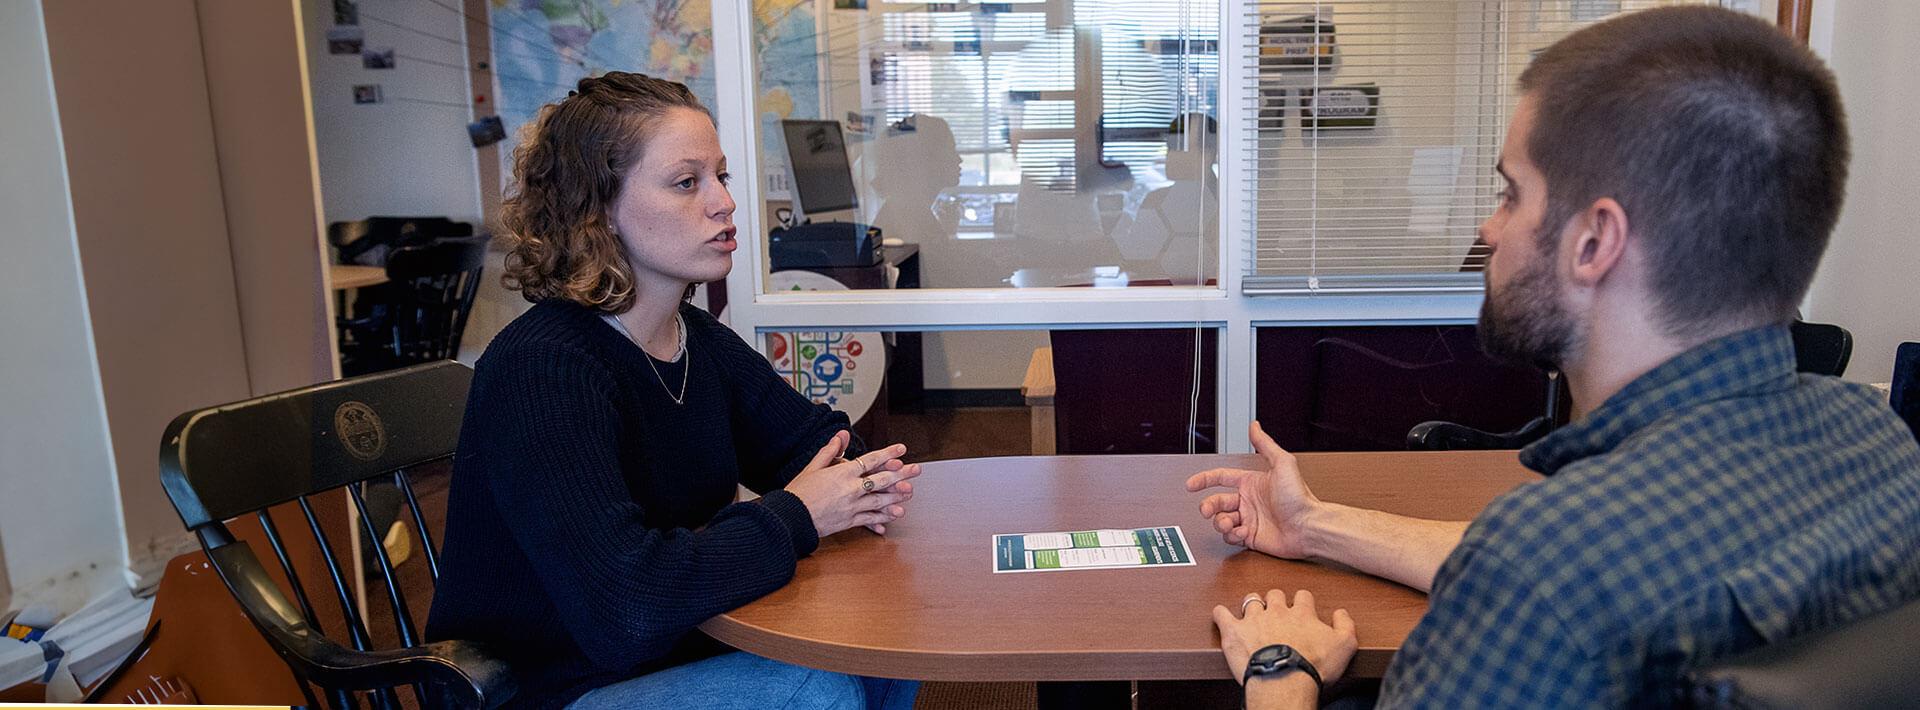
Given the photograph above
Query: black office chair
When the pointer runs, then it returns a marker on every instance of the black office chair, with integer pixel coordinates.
(1821, 348)
(240, 459)
(1818, 348)
(420, 314)
(1906, 385)
(1450, 436)
(1870, 663)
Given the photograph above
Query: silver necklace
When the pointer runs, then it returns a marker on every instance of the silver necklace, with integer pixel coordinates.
(680, 328)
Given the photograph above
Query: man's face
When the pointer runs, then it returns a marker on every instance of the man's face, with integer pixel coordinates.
(1524, 318)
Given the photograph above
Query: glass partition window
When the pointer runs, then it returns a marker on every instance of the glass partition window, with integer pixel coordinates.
(1012, 144)
(1375, 131)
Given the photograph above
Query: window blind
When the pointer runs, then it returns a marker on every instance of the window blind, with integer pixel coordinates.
(1376, 126)
(1004, 76)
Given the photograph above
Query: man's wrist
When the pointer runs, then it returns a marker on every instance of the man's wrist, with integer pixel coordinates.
(1316, 526)
(1285, 690)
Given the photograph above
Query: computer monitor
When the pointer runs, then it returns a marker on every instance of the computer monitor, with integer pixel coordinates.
(822, 178)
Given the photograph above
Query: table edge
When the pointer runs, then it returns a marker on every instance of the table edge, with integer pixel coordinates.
(997, 666)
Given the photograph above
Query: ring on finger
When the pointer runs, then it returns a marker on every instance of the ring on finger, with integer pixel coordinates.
(1251, 598)
(866, 484)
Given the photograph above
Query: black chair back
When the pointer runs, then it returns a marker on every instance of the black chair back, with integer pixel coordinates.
(1821, 348)
(438, 281)
(369, 241)
(1869, 663)
(224, 462)
(421, 313)
(1906, 385)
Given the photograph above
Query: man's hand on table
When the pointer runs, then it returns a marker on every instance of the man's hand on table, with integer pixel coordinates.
(1271, 620)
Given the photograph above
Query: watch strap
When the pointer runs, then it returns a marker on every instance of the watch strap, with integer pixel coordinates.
(1290, 660)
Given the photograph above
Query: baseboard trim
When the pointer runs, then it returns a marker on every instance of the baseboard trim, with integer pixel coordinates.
(962, 398)
(146, 562)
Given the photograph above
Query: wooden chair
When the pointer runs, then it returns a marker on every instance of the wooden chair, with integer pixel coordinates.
(420, 314)
(369, 241)
(220, 463)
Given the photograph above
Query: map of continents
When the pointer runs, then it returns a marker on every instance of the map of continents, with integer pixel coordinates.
(541, 48)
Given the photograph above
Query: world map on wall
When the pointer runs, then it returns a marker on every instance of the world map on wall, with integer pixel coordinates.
(542, 48)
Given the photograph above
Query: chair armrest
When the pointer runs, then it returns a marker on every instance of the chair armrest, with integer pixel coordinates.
(363, 323)
(462, 670)
(1448, 436)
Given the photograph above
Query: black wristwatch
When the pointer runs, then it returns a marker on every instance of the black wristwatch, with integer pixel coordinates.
(1278, 660)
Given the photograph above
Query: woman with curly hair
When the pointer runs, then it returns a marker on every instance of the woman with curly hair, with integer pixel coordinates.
(591, 524)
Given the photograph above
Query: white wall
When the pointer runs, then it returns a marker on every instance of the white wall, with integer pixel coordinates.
(53, 431)
(1866, 282)
(409, 155)
(191, 184)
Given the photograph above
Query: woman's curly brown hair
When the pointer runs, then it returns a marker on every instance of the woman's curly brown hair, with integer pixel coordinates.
(567, 171)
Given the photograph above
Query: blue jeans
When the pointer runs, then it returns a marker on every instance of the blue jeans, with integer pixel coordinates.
(748, 682)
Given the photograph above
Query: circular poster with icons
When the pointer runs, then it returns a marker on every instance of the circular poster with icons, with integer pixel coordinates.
(841, 369)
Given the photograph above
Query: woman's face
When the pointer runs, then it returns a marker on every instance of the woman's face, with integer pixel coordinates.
(673, 212)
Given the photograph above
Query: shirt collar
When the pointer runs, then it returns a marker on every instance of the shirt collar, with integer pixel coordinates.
(1744, 363)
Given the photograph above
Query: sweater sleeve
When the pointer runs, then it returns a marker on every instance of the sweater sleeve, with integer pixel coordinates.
(778, 430)
(624, 591)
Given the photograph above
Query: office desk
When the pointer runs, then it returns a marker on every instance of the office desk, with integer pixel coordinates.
(923, 603)
(341, 277)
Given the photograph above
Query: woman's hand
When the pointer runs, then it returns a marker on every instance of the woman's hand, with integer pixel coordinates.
(868, 490)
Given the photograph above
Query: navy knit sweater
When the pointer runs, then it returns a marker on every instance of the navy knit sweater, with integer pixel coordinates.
(591, 523)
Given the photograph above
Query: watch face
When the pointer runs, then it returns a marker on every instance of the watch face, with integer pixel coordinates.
(1270, 656)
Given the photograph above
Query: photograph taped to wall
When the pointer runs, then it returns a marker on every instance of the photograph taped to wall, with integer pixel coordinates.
(486, 131)
(346, 12)
(344, 40)
(377, 58)
(367, 94)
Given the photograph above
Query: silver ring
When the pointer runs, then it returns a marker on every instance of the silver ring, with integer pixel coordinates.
(1251, 598)
(866, 484)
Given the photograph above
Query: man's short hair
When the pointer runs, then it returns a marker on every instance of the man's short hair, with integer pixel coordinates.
(1722, 138)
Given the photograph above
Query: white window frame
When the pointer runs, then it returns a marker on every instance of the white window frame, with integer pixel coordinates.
(753, 312)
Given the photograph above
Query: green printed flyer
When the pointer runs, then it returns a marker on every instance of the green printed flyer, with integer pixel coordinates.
(1091, 549)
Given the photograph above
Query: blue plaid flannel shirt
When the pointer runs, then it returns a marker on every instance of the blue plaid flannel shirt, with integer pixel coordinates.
(1718, 502)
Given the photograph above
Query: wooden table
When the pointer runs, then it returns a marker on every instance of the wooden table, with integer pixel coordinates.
(922, 602)
(341, 277)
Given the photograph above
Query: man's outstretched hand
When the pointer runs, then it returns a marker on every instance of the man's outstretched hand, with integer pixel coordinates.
(1264, 511)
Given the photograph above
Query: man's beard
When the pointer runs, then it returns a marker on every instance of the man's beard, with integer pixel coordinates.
(1525, 322)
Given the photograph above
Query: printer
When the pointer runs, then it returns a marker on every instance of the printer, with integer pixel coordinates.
(824, 244)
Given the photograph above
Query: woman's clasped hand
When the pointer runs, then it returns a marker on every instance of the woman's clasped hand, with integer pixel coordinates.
(870, 489)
